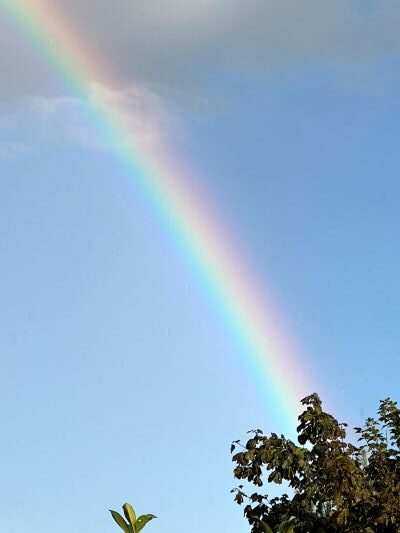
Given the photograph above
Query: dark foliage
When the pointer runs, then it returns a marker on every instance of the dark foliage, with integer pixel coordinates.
(335, 485)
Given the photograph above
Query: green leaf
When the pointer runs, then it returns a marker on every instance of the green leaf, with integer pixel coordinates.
(120, 521)
(129, 514)
(288, 526)
(143, 520)
(265, 527)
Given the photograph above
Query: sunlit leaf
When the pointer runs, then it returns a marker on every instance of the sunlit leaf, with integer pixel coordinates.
(120, 521)
(129, 513)
(143, 520)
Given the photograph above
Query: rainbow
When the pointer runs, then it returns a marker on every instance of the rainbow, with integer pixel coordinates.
(232, 289)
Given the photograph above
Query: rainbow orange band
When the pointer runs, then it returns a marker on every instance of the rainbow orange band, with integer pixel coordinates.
(249, 320)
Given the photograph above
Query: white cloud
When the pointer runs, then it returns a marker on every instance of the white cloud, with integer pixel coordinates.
(43, 121)
(13, 150)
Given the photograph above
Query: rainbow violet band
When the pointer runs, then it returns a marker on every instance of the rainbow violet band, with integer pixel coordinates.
(232, 290)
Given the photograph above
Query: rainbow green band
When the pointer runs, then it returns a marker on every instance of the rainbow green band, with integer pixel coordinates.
(249, 320)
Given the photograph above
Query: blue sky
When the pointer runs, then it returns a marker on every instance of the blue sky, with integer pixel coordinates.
(118, 381)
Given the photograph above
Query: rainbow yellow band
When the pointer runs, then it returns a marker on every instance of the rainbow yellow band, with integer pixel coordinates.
(249, 320)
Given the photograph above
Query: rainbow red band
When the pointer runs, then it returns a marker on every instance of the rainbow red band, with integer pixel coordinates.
(249, 320)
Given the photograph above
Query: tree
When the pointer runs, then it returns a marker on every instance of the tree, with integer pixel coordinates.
(335, 485)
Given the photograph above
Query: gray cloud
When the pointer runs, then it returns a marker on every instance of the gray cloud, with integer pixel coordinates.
(187, 43)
